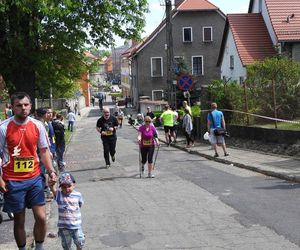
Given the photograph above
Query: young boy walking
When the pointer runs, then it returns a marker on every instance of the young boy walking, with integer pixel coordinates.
(69, 204)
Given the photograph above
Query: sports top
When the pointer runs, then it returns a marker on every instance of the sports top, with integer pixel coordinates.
(19, 143)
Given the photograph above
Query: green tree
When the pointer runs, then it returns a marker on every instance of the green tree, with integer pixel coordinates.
(274, 85)
(42, 41)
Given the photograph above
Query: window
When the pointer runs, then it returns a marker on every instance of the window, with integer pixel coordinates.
(207, 34)
(157, 95)
(231, 62)
(197, 64)
(242, 80)
(156, 67)
(260, 6)
(187, 34)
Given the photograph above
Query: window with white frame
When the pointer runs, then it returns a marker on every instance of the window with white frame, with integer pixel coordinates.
(231, 62)
(187, 34)
(207, 34)
(157, 95)
(156, 67)
(197, 65)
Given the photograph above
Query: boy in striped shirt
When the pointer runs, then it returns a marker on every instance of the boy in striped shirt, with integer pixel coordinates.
(69, 204)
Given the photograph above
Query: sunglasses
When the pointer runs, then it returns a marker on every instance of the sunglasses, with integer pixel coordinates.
(147, 121)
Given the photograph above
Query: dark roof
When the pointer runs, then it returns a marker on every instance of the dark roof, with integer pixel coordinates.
(250, 35)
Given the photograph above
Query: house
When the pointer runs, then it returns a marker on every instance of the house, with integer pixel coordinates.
(126, 69)
(116, 62)
(197, 27)
(269, 27)
(108, 65)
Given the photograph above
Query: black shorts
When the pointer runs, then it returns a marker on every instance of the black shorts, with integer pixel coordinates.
(169, 129)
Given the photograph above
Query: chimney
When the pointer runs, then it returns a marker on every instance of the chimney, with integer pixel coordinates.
(178, 2)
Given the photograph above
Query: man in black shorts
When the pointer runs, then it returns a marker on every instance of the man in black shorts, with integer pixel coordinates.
(167, 118)
(107, 126)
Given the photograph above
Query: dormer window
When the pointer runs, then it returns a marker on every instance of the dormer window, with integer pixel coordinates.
(207, 34)
(187, 34)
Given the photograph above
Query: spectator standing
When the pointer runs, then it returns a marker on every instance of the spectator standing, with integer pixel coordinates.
(215, 119)
(175, 123)
(59, 131)
(76, 108)
(107, 126)
(71, 117)
(150, 113)
(186, 106)
(42, 115)
(8, 111)
(101, 103)
(93, 101)
(69, 203)
(187, 125)
(68, 107)
(20, 137)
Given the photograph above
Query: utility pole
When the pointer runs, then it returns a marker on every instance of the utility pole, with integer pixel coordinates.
(170, 53)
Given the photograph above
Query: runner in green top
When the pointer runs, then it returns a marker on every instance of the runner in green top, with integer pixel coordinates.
(167, 118)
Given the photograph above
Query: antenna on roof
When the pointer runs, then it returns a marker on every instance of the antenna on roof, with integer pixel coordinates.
(289, 17)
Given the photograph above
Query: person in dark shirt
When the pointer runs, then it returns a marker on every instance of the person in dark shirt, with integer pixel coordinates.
(107, 126)
(59, 132)
(150, 113)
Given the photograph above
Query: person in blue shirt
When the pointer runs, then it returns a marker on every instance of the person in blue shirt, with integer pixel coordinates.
(215, 119)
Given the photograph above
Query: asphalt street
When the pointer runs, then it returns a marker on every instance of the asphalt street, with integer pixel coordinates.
(193, 203)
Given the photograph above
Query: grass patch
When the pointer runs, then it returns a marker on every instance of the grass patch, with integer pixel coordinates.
(281, 125)
(68, 135)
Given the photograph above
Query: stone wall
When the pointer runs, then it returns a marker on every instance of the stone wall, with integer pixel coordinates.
(276, 141)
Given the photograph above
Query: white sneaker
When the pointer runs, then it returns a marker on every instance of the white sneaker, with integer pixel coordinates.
(150, 175)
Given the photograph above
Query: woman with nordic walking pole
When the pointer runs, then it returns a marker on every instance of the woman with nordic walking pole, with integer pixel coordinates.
(147, 138)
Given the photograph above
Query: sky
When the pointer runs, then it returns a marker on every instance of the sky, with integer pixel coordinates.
(157, 14)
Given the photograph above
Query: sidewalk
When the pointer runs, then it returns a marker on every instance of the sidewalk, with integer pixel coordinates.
(282, 167)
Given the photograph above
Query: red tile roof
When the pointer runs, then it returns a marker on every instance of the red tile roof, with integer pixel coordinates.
(186, 5)
(251, 37)
(285, 18)
(196, 5)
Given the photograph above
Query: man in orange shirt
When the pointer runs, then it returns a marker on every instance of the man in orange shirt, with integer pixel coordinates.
(20, 137)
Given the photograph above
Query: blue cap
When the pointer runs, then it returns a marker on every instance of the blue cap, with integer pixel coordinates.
(66, 179)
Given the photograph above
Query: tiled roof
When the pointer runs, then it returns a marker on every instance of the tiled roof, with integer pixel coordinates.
(285, 18)
(196, 5)
(251, 37)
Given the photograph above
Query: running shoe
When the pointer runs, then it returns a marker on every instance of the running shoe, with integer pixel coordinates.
(150, 175)
(113, 158)
(107, 166)
(216, 155)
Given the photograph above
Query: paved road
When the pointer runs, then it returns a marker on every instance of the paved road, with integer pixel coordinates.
(193, 203)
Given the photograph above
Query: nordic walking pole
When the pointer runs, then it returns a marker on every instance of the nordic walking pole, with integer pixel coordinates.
(140, 161)
(156, 156)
